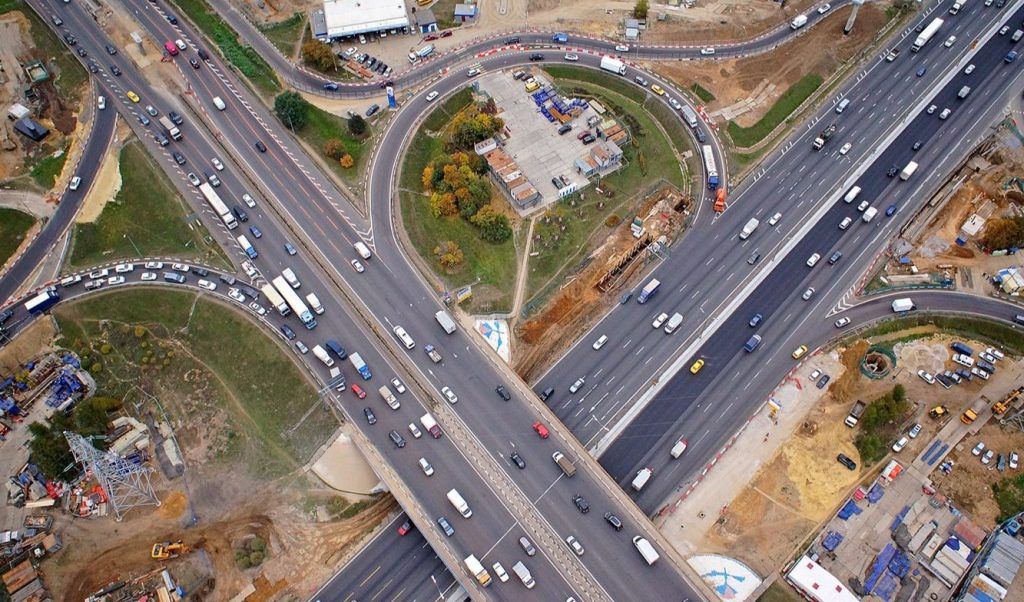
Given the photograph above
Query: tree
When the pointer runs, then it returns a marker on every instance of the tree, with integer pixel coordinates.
(449, 254)
(443, 203)
(494, 227)
(428, 177)
(641, 8)
(50, 451)
(1004, 233)
(318, 55)
(357, 126)
(347, 161)
(334, 148)
(291, 109)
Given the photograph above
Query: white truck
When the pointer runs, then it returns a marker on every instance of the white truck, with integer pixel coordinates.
(459, 503)
(478, 570)
(689, 115)
(337, 379)
(360, 366)
(250, 251)
(524, 574)
(275, 299)
(908, 170)
(613, 64)
(798, 22)
(172, 130)
(646, 550)
(445, 321)
(869, 214)
(678, 448)
(902, 305)
(322, 355)
(749, 228)
(641, 478)
(928, 33)
(430, 424)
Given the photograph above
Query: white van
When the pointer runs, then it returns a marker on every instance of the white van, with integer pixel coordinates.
(362, 249)
(217, 102)
(646, 550)
(852, 194)
(869, 214)
(459, 503)
(314, 302)
(524, 574)
(673, 323)
(641, 478)
(404, 337)
(842, 105)
(678, 448)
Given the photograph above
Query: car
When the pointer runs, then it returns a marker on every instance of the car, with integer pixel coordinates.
(202, 54)
(115, 70)
(180, 44)
(754, 257)
(571, 57)
(622, 48)
(75, 183)
(657, 89)
(842, 322)
(397, 384)
(659, 320)
(773, 220)
(449, 394)
(987, 457)
(148, 276)
(581, 503)
(980, 447)
(813, 259)
(527, 546)
(914, 431)
(217, 164)
(576, 386)
(808, 293)
(99, 274)
(405, 527)
(926, 377)
(124, 268)
(359, 392)
(101, 102)
(70, 39)
(541, 430)
(432, 95)
(206, 284)
(613, 520)
(823, 381)
(152, 111)
(287, 332)
(154, 265)
(249, 269)
(357, 266)
(256, 232)
(845, 148)
(601, 340)
(57, 21)
(755, 320)
(949, 42)
(259, 309)
(502, 392)
(815, 374)
(115, 280)
(969, 69)
(835, 257)
(301, 347)
(845, 223)
(500, 572)
(988, 357)
(237, 295)
(475, 71)
(824, 8)
(194, 179)
(161, 139)
(1004, 29)
(922, 71)
(917, 146)
(863, 205)
(396, 438)
(574, 545)
(518, 460)
(846, 461)
(370, 417)
(1013, 460)
(931, 109)
(944, 114)
(894, 170)
(707, 51)
(250, 202)
(93, 67)
(799, 352)
(890, 210)
(69, 281)
(178, 157)
(212, 179)
(900, 444)
(1010, 56)
(260, 146)
(697, 365)
(566, 128)
(446, 526)
(995, 353)
(536, 57)
(132, 96)
(372, 110)
(194, 62)
(640, 80)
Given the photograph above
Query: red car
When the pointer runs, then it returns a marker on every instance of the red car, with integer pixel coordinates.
(405, 528)
(429, 37)
(358, 391)
(540, 428)
(582, 134)
(446, 33)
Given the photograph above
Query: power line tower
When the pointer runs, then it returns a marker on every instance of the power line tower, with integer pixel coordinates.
(1014, 420)
(126, 484)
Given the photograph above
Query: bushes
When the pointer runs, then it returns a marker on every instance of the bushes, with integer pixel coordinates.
(292, 109)
(457, 186)
(252, 553)
(879, 423)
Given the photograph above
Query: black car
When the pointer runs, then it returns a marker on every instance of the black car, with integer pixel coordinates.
(240, 213)
(823, 381)
(753, 258)
(81, 52)
(846, 461)
(287, 332)
(372, 110)
(502, 392)
(446, 526)
(511, 41)
(202, 54)
(396, 439)
(518, 460)
(547, 393)
(115, 70)
(369, 416)
(178, 158)
(201, 272)
(330, 86)
(564, 129)
(835, 258)
(194, 62)
(70, 39)
(372, 63)
(588, 139)
(229, 280)
(893, 171)
(581, 503)
(536, 57)
(260, 146)
(94, 68)
(110, 49)
(613, 520)
(172, 19)
(175, 117)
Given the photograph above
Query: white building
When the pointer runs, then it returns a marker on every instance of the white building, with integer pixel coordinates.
(343, 18)
(817, 584)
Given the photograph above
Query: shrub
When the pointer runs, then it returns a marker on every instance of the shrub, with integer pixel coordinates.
(291, 109)
(346, 161)
(357, 126)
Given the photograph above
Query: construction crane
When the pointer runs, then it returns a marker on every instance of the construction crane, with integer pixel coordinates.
(168, 550)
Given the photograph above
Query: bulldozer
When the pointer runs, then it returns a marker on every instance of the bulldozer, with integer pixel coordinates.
(168, 550)
(938, 412)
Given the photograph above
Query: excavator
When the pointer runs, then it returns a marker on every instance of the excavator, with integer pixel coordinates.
(168, 550)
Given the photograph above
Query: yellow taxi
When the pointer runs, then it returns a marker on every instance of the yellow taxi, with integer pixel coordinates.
(132, 96)
(697, 365)
(800, 351)
(657, 89)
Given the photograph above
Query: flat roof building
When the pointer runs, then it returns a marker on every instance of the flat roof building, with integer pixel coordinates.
(343, 18)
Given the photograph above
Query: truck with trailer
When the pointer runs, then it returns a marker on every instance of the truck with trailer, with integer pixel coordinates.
(360, 365)
(823, 137)
(613, 64)
(294, 302)
(708, 154)
(478, 570)
(971, 413)
(169, 127)
(568, 468)
(798, 22)
(902, 305)
(433, 354)
(648, 291)
(749, 228)
(250, 251)
(218, 206)
(322, 355)
(431, 426)
(42, 302)
(855, 413)
(908, 171)
(275, 299)
(927, 34)
(446, 321)
(460, 504)
(641, 478)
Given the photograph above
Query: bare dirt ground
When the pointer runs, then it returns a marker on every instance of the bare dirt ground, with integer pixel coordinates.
(820, 50)
(108, 180)
(27, 344)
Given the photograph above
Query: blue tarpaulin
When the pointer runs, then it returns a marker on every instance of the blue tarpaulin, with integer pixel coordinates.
(899, 565)
(849, 510)
(886, 586)
(875, 493)
(878, 566)
(832, 540)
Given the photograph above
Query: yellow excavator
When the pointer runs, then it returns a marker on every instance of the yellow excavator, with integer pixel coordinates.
(168, 550)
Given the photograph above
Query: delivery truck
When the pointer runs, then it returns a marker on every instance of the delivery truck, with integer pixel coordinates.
(459, 503)
(678, 448)
(171, 129)
(927, 34)
(749, 228)
(641, 478)
(648, 291)
(360, 365)
(646, 550)
(613, 64)
(250, 251)
(389, 397)
(564, 463)
(430, 424)
(478, 570)
(798, 22)
(908, 170)
(524, 574)
(323, 356)
(902, 305)
(869, 214)
(445, 321)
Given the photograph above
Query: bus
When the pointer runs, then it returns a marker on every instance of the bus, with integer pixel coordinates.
(42, 302)
(294, 302)
(275, 299)
(218, 205)
(709, 166)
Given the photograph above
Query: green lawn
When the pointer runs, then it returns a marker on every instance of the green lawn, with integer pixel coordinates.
(1005, 336)
(780, 111)
(323, 126)
(220, 378)
(779, 592)
(448, 109)
(147, 218)
(444, 12)
(13, 226)
(702, 92)
(46, 170)
(286, 34)
(244, 58)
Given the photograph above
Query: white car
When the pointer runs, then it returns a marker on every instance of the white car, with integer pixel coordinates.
(75, 183)
(71, 280)
(600, 342)
(949, 42)
(709, 51)
(154, 265)
(397, 384)
(217, 164)
(427, 468)
(256, 307)
(815, 375)
(571, 57)
(774, 219)
(124, 268)
(101, 102)
(899, 445)
(914, 431)
(813, 260)
(350, 51)
(475, 71)
(980, 447)
(99, 274)
(1013, 460)
(576, 386)
(415, 431)
(148, 276)
(237, 295)
(824, 8)
(845, 148)
(988, 357)
(658, 321)
(500, 572)
(115, 280)
(926, 377)
(248, 200)
(622, 48)
(180, 44)
(575, 544)
(433, 94)
(1005, 29)
(301, 347)
(181, 267)
(944, 114)
(249, 269)
(863, 205)
(808, 293)
(969, 70)
(842, 322)
(845, 223)
(358, 266)
(932, 108)
(987, 457)
(206, 284)
(995, 353)
(447, 392)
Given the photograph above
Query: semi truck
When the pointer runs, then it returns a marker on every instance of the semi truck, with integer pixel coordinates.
(445, 321)
(218, 206)
(459, 503)
(928, 33)
(798, 22)
(823, 137)
(908, 170)
(360, 365)
(250, 251)
(641, 478)
(433, 354)
(648, 291)
(322, 355)
(275, 299)
(430, 424)
(478, 570)
(902, 305)
(568, 468)
(855, 413)
(171, 129)
(294, 302)
(749, 228)
(710, 166)
(613, 64)
(971, 413)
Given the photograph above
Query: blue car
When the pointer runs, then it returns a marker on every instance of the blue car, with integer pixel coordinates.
(288, 247)
(1010, 56)
(890, 210)
(255, 231)
(755, 320)
(921, 71)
